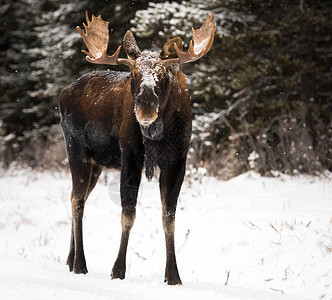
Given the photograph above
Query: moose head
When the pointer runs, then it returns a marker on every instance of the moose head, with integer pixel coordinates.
(150, 71)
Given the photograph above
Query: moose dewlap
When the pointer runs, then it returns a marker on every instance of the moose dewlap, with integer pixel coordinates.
(129, 120)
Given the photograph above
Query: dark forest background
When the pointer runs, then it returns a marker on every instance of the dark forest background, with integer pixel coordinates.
(262, 97)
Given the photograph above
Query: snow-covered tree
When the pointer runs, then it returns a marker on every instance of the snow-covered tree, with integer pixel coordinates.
(254, 91)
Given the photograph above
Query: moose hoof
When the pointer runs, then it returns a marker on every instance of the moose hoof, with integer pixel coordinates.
(71, 268)
(70, 265)
(118, 272)
(173, 279)
(80, 270)
(76, 263)
(80, 267)
(70, 261)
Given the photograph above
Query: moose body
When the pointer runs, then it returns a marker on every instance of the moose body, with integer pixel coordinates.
(127, 120)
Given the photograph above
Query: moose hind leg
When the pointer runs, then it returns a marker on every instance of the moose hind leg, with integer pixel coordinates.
(84, 178)
(170, 184)
(71, 255)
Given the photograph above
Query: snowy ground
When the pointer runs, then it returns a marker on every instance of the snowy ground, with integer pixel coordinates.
(268, 238)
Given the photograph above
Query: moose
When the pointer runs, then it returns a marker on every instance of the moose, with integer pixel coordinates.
(129, 121)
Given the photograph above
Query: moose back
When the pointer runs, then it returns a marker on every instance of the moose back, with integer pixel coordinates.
(129, 120)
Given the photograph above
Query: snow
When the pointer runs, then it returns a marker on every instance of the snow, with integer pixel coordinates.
(272, 236)
(149, 65)
(177, 19)
(200, 46)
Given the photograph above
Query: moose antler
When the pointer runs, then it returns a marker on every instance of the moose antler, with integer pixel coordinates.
(203, 40)
(96, 40)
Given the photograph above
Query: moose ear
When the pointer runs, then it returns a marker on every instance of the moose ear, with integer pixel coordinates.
(130, 46)
(169, 50)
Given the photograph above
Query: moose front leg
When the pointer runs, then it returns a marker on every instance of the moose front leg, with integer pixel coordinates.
(170, 184)
(131, 171)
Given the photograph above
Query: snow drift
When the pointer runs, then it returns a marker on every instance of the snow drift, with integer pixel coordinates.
(247, 238)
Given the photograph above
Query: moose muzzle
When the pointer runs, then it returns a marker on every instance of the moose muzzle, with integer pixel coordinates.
(147, 107)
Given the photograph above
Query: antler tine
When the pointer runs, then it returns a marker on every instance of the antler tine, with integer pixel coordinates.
(96, 40)
(203, 40)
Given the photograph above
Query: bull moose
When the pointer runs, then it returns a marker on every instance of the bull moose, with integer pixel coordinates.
(130, 121)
